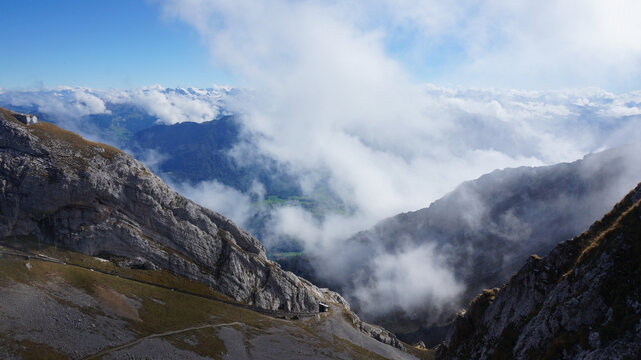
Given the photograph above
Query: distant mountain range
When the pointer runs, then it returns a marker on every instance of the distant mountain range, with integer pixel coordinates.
(197, 152)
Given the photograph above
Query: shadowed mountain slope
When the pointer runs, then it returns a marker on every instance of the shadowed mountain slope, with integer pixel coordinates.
(581, 301)
(195, 152)
(513, 212)
(481, 232)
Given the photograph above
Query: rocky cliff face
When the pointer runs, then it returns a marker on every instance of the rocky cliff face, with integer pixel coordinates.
(582, 301)
(94, 199)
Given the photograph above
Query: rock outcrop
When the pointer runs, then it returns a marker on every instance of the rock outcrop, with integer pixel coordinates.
(582, 301)
(95, 199)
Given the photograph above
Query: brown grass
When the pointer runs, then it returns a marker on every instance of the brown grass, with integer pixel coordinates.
(605, 230)
(29, 350)
(7, 115)
(115, 302)
(44, 130)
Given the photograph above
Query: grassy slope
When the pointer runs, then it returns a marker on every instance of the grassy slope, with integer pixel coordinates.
(161, 310)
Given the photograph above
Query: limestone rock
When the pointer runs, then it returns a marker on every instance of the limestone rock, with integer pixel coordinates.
(95, 199)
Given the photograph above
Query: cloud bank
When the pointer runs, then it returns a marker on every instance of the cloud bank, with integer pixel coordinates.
(329, 95)
(61, 103)
(172, 106)
(168, 106)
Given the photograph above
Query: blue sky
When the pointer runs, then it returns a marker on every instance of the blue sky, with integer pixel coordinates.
(131, 43)
(114, 43)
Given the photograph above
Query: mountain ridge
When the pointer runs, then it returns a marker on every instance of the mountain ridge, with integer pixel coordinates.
(93, 198)
(580, 301)
(483, 231)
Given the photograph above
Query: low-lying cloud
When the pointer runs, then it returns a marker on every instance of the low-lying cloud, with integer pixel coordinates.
(168, 106)
(392, 284)
(223, 199)
(171, 106)
(329, 97)
(61, 103)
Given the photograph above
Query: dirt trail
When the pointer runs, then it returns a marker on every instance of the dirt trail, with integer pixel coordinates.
(168, 333)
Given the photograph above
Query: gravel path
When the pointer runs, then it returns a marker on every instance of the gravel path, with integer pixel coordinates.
(167, 333)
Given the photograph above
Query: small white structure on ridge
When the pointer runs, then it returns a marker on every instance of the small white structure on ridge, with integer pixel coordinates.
(26, 118)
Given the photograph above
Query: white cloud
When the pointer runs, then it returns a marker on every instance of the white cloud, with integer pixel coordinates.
(62, 103)
(515, 44)
(327, 97)
(225, 200)
(411, 279)
(547, 44)
(172, 106)
(152, 158)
